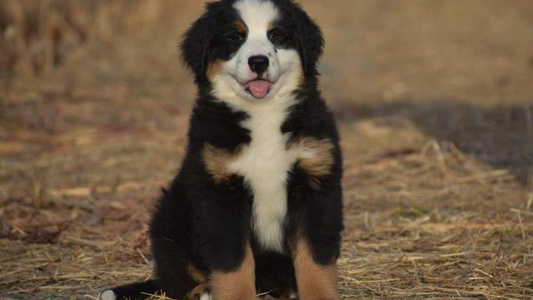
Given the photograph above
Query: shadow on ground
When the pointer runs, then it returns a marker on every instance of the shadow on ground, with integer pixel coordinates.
(501, 136)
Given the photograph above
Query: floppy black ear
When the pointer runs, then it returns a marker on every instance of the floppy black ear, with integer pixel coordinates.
(310, 40)
(195, 45)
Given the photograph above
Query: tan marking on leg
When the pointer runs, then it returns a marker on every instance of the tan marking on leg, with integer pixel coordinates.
(236, 285)
(315, 282)
(197, 275)
(195, 293)
(216, 162)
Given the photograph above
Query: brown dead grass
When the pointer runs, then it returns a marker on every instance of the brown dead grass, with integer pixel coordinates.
(434, 104)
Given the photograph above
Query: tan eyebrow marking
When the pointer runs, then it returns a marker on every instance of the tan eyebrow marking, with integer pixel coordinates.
(240, 26)
(270, 26)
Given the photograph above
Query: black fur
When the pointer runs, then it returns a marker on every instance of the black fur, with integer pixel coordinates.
(206, 224)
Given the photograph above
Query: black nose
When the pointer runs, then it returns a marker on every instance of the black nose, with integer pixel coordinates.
(258, 63)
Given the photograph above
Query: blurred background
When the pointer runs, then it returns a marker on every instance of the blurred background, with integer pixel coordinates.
(434, 101)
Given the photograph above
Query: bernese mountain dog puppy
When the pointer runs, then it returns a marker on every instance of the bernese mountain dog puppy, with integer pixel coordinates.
(257, 204)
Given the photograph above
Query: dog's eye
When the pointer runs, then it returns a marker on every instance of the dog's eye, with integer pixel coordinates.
(234, 37)
(276, 35)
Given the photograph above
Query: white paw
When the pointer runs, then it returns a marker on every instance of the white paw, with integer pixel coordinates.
(205, 295)
(108, 295)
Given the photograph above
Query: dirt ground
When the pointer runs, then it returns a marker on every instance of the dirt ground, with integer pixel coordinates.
(434, 101)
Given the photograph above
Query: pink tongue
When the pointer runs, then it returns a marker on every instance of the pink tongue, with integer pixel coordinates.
(259, 88)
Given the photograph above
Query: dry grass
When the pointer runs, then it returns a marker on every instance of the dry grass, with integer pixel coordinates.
(434, 103)
(38, 36)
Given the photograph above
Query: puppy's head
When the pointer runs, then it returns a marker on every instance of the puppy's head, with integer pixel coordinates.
(253, 49)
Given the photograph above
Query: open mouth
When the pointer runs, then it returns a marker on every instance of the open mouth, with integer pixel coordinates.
(258, 88)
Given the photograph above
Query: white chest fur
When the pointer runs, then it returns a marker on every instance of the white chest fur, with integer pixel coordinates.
(265, 164)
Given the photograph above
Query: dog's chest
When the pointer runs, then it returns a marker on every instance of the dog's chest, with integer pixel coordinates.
(265, 163)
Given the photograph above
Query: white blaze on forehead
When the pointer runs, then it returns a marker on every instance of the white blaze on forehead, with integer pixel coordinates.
(257, 15)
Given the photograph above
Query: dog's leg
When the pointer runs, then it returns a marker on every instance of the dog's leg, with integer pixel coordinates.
(238, 284)
(315, 281)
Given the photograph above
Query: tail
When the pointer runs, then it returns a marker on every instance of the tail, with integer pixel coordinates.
(133, 291)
